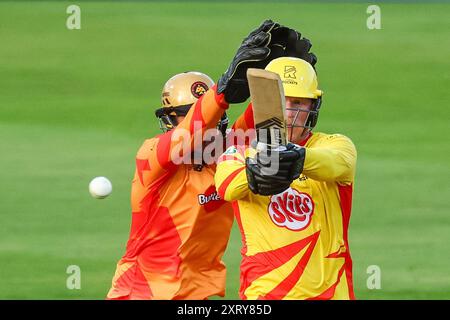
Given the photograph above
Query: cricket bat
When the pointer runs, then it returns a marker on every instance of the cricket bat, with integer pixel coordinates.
(269, 106)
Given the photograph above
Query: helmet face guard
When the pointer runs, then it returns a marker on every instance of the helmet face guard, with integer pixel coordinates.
(299, 80)
(310, 121)
(167, 117)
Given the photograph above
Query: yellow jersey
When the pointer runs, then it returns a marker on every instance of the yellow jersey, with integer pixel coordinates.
(295, 244)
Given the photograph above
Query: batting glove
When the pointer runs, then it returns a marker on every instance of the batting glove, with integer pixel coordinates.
(272, 172)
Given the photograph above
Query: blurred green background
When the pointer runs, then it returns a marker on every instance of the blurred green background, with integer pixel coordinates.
(75, 104)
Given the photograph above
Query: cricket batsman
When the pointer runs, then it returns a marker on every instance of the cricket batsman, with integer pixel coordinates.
(180, 226)
(294, 222)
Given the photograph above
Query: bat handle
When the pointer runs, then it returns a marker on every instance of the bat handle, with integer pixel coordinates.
(261, 146)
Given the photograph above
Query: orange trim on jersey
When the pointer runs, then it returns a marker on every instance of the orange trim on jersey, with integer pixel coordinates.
(141, 288)
(163, 150)
(304, 141)
(142, 165)
(197, 115)
(329, 293)
(248, 116)
(154, 237)
(338, 254)
(134, 284)
(244, 122)
(220, 98)
(226, 157)
(237, 214)
(223, 187)
(283, 288)
(249, 122)
(253, 267)
(345, 196)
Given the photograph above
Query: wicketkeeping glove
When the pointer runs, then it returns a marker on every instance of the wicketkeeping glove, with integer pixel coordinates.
(272, 172)
(253, 50)
(268, 42)
(288, 42)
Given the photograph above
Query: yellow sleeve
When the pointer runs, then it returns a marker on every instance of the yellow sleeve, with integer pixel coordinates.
(333, 158)
(231, 178)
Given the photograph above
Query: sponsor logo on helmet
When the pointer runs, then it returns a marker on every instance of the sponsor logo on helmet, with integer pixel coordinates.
(289, 82)
(289, 72)
(198, 89)
(210, 199)
(291, 209)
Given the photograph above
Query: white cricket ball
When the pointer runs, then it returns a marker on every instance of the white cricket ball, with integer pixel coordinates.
(100, 187)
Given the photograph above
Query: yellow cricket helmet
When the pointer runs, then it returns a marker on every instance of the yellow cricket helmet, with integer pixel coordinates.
(300, 81)
(179, 93)
(298, 76)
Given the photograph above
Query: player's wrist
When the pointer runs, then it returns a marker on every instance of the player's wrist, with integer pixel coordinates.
(220, 98)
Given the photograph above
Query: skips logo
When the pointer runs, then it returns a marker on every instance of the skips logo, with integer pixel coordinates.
(291, 209)
(210, 199)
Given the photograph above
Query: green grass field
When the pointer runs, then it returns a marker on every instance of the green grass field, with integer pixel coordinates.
(78, 104)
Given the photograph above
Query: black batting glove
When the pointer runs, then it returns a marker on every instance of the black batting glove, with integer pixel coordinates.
(272, 172)
(260, 183)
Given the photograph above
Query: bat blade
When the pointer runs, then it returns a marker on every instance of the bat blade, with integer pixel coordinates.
(269, 106)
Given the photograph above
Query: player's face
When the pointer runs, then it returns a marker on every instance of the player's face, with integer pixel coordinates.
(297, 111)
(180, 118)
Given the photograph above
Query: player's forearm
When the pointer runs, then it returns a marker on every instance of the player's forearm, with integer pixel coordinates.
(189, 134)
(205, 113)
(245, 120)
(243, 130)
